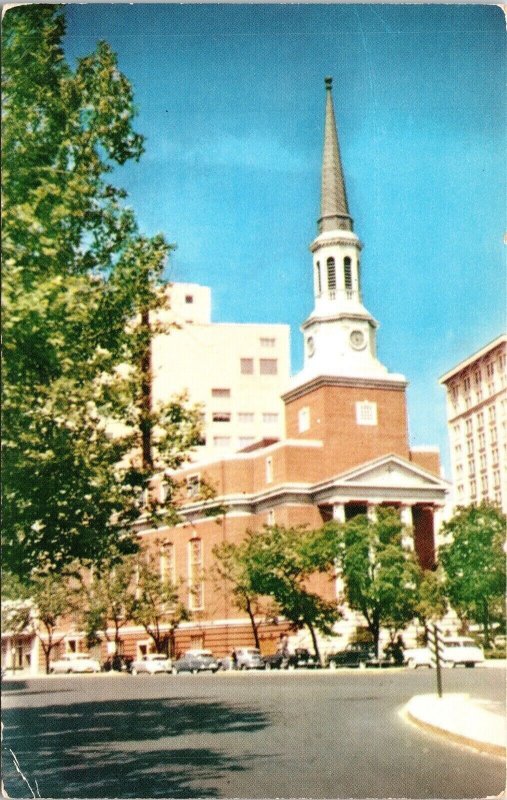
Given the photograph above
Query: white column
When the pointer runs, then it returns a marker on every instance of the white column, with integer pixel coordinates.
(438, 512)
(407, 540)
(371, 512)
(339, 512)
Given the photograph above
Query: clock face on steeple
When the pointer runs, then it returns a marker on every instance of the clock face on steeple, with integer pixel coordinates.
(357, 340)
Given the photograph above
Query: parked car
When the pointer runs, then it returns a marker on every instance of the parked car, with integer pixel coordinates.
(151, 664)
(355, 654)
(301, 657)
(196, 661)
(456, 651)
(249, 658)
(278, 660)
(118, 664)
(75, 662)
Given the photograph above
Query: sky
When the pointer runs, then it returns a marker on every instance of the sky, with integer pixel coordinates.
(231, 101)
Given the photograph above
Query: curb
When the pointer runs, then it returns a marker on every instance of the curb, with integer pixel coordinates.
(439, 729)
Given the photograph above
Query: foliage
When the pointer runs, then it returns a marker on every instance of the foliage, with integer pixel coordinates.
(381, 578)
(157, 605)
(231, 569)
(280, 562)
(474, 564)
(79, 284)
(431, 603)
(109, 596)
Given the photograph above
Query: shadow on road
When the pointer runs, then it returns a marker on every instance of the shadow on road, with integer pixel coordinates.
(122, 749)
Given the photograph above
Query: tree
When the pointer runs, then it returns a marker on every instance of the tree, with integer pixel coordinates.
(79, 285)
(157, 606)
(280, 563)
(232, 570)
(381, 577)
(474, 564)
(431, 603)
(109, 595)
(40, 609)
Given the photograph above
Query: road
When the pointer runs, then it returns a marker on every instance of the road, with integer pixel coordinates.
(299, 734)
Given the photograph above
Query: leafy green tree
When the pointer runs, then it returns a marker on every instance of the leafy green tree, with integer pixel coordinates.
(474, 564)
(79, 285)
(280, 563)
(381, 578)
(40, 609)
(157, 606)
(431, 604)
(109, 596)
(232, 572)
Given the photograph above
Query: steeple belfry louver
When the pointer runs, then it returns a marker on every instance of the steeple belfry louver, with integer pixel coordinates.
(334, 209)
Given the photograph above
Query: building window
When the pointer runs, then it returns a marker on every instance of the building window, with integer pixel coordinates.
(469, 427)
(493, 434)
(331, 275)
(268, 366)
(466, 384)
(221, 441)
(267, 341)
(195, 573)
(492, 413)
(246, 416)
(193, 485)
(482, 441)
(496, 478)
(245, 441)
(480, 419)
(269, 470)
(473, 489)
(270, 418)
(483, 461)
(304, 419)
(347, 273)
(471, 468)
(484, 484)
(220, 392)
(366, 413)
(247, 366)
(319, 279)
(189, 298)
(270, 517)
(221, 416)
(167, 565)
(477, 377)
(494, 455)
(490, 369)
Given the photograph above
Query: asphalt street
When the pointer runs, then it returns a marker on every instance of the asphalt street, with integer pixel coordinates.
(298, 734)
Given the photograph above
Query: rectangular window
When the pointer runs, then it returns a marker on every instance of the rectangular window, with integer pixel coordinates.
(466, 384)
(196, 585)
(304, 419)
(189, 298)
(269, 470)
(221, 416)
(477, 377)
(167, 565)
(246, 417)
(493, 434)
(220, 392)
(268, 366)
(221, 441)
(270, 417)
(366, 413)
(247, 366)
(193, 485)
(490, 369)
(267, 341)
(480, 419)
(471, 468)
(469, 426)
(492, 413)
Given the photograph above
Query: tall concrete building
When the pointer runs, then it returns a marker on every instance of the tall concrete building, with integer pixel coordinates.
(477, 424)
(236, 371)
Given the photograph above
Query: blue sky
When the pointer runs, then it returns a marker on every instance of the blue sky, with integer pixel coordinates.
(231, 101)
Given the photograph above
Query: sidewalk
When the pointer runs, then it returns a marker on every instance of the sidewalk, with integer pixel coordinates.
(480, 724)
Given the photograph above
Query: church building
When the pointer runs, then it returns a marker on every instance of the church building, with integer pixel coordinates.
(345, 450)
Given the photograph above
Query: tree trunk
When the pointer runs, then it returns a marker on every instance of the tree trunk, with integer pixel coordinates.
(146, 398)
(253, 623)
(314, 640)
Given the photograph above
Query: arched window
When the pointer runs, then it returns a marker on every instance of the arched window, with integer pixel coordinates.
(347, 273)
(331, 275)
(319, 279)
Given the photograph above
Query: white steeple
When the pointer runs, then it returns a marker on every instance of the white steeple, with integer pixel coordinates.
(339, 334)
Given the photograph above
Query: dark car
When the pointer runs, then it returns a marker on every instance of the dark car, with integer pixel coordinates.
(279, 660)
(196, 661)
(355, 654)
(118, 664)
(302, 658)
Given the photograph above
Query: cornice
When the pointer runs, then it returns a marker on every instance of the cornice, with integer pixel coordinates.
(340, 380)
(338, 240)
(354, 316)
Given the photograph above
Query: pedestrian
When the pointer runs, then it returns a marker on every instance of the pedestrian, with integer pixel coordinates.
(234, 660)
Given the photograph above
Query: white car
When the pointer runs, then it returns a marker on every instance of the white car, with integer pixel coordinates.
(75, 662)
(152, 663)
(456, 651)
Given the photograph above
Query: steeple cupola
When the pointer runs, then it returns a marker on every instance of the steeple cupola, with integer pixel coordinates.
(340, 334)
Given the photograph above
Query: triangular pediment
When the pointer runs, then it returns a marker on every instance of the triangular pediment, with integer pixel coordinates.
(391, 472)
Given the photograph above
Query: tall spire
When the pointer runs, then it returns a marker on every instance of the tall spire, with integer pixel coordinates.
(334, 209)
